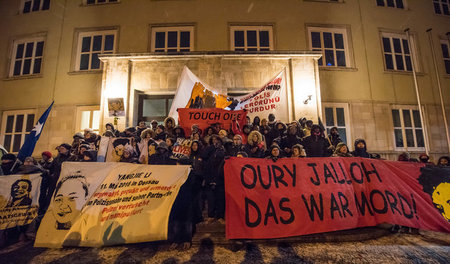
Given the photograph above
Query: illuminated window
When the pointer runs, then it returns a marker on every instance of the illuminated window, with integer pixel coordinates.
(336, 115)
(408, 132)
(27, 57)
(15, 126)
(397, 52)
(35, 5)
(391, 3)
(441, 7)
(251, 38)
(88, 117)
(333, 43)
(172, 39)
(95, 2)
(92, 44)
(446, 55)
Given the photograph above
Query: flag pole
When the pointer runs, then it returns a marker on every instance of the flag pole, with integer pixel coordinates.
(430, 38)
(424, 127)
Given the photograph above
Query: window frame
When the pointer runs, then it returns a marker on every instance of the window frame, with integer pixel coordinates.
(25, 40)
(413, 51)
(445, 42)
(161, 28)
(41, 4)
(79, 44)
(441, 9)
(245, 28)
(405, 4)
(347, 120)
(23, 133)
(80, 110)
(348, 48)
(405, 147)
(107, 2)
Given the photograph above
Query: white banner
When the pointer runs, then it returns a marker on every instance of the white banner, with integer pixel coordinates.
(19, 199)
(271, 98)
(97, 204)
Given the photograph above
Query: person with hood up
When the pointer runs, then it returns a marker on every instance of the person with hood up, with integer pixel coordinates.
(424, 158)
(255, 145)
(148, 134)
(334, 137)
(160, 133)
(316, 145)
(274, 152)
(162, 155)
(78, 139)
(256, 121)
(89, 156)
(110, 127)
(213, 160)
(443, 161)
(236, 147)
(169, 124)
(83, 147)
(341, 150)
(91, 138)
(272, 121)
(9, 165)
(178, 132)
(128, 155)
(298, 151)
(360, 149)
(276, 133)
(290, 139)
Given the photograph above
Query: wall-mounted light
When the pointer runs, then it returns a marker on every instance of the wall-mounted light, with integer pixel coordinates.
(307, 99)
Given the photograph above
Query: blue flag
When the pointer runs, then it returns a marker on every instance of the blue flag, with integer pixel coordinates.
(31, 139)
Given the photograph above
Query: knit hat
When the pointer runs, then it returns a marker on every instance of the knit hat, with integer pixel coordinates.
(48, 154)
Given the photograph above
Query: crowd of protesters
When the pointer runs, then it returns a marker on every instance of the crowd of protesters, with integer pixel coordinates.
(266, 138)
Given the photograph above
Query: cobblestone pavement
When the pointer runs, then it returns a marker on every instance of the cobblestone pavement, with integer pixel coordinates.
(425, 247)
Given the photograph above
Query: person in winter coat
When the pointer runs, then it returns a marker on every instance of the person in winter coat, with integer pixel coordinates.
(10, 164)
(110, 127)
(162, 155)
(213, 160)
(290, 139)
(276, 133)
(360, 149)
(308, 128)
(63, 156)
(178, 132)
(78, 139)
(140, 127)
(264, 129)
(160, 133)
(197, 180)
(275, 152)
(272, 121)
(298, 151)
(128, 155)
(334, 137)
(226, 142)
(170, 141)
(444, 161)
(208, 133)
(342, 150)
(169, 124)
(148, 134)
(424, 158)
(236, 147)
(316, 145)
(90, 156)
(255, 145)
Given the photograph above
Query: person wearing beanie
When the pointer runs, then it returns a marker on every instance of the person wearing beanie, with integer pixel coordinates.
(316, 145)
(8, 161)
(128, 155)
(160, 133)
(424, 158)
(236, 147)
(161, 156)
(360, 149)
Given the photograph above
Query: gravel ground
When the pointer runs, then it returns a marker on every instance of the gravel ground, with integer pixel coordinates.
(425, 247)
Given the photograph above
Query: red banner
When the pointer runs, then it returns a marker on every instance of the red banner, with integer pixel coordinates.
(292, 197)
(207, 116)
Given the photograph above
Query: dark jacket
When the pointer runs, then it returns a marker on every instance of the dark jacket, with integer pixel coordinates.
(213, 160)
(360, 152)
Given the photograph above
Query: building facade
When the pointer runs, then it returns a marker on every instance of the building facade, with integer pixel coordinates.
(353, 59)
